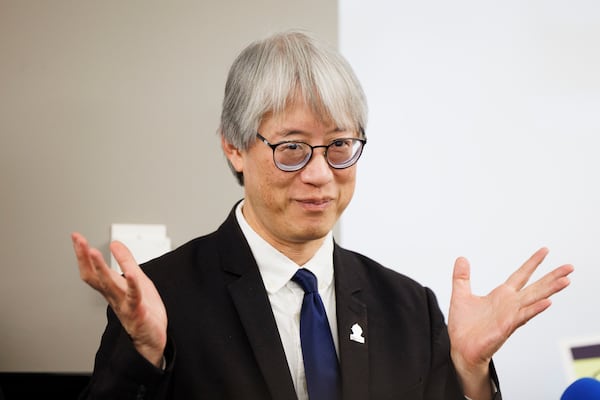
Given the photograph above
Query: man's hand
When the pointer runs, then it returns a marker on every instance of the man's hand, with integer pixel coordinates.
(479, 325)
(132, 296)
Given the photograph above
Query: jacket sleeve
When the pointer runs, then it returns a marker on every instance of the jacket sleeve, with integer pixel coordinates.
(120, 372)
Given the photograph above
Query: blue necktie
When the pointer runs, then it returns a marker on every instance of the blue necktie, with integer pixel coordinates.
(320, 360)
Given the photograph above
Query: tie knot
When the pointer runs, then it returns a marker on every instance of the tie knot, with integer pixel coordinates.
(306, 279)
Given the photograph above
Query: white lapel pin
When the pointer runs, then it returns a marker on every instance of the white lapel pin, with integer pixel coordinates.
(357, 334)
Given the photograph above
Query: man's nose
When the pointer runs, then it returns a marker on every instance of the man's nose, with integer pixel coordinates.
(317, 171)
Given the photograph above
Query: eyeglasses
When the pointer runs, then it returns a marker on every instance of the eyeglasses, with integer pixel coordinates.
(292, 156)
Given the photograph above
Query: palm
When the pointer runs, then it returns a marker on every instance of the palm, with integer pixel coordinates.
(132, 296)
(479, 325)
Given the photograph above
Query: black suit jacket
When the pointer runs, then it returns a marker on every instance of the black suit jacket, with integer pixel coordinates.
(223, 342)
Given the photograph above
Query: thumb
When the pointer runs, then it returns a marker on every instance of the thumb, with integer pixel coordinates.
(124, 257)
(461, 278)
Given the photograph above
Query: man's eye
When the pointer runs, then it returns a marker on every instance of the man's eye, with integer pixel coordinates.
(292, 146)
(339, 143)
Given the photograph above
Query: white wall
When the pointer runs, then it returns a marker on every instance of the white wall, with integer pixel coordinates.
(483, 142)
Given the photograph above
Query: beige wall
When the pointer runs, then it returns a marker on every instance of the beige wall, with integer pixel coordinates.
(108, 112)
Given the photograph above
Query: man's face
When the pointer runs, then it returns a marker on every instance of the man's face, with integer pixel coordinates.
(291, 208)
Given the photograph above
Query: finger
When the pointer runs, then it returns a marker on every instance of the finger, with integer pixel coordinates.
(461, 278)
(82, 253)
(131, 271)
(551, 283)
(109, 282)
(521, 276)
(94, 271)
(134, 290)
(527, 313)
(89, 260)
(124, 257)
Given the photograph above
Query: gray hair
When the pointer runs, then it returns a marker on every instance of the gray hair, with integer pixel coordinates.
(270, 73)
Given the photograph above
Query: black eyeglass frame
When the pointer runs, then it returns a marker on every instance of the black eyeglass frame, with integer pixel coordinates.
(287, 168)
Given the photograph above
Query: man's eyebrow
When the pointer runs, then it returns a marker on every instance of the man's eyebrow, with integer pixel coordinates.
(293, 131)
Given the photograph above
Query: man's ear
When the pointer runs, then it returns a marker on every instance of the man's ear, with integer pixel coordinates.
(233, 154)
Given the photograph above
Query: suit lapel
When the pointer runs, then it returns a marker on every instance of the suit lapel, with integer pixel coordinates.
(252, 303)
(351, 312)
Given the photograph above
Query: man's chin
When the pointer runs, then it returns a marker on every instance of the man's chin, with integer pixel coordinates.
(310, 233)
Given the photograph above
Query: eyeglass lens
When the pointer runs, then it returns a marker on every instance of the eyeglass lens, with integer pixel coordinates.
(340, 153)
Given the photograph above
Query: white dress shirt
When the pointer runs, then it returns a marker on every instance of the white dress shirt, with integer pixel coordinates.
(286, 296)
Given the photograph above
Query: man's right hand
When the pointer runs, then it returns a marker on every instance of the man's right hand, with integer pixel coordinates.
(132, 296)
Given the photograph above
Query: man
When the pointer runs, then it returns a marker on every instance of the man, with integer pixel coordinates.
(219, 317)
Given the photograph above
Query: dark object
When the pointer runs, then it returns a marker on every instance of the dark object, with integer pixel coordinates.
(318, 350)
(41, 385)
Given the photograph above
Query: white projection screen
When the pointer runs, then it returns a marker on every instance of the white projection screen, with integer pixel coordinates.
(483, 142)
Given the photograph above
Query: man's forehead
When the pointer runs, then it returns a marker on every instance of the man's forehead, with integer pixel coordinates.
(294, 118)
(301, 109)
(281, 124)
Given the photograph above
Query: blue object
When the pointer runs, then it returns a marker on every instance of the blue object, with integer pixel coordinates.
(320, 360)
(582, 389)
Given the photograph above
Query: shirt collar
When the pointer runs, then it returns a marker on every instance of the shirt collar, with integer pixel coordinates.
(277, 269)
